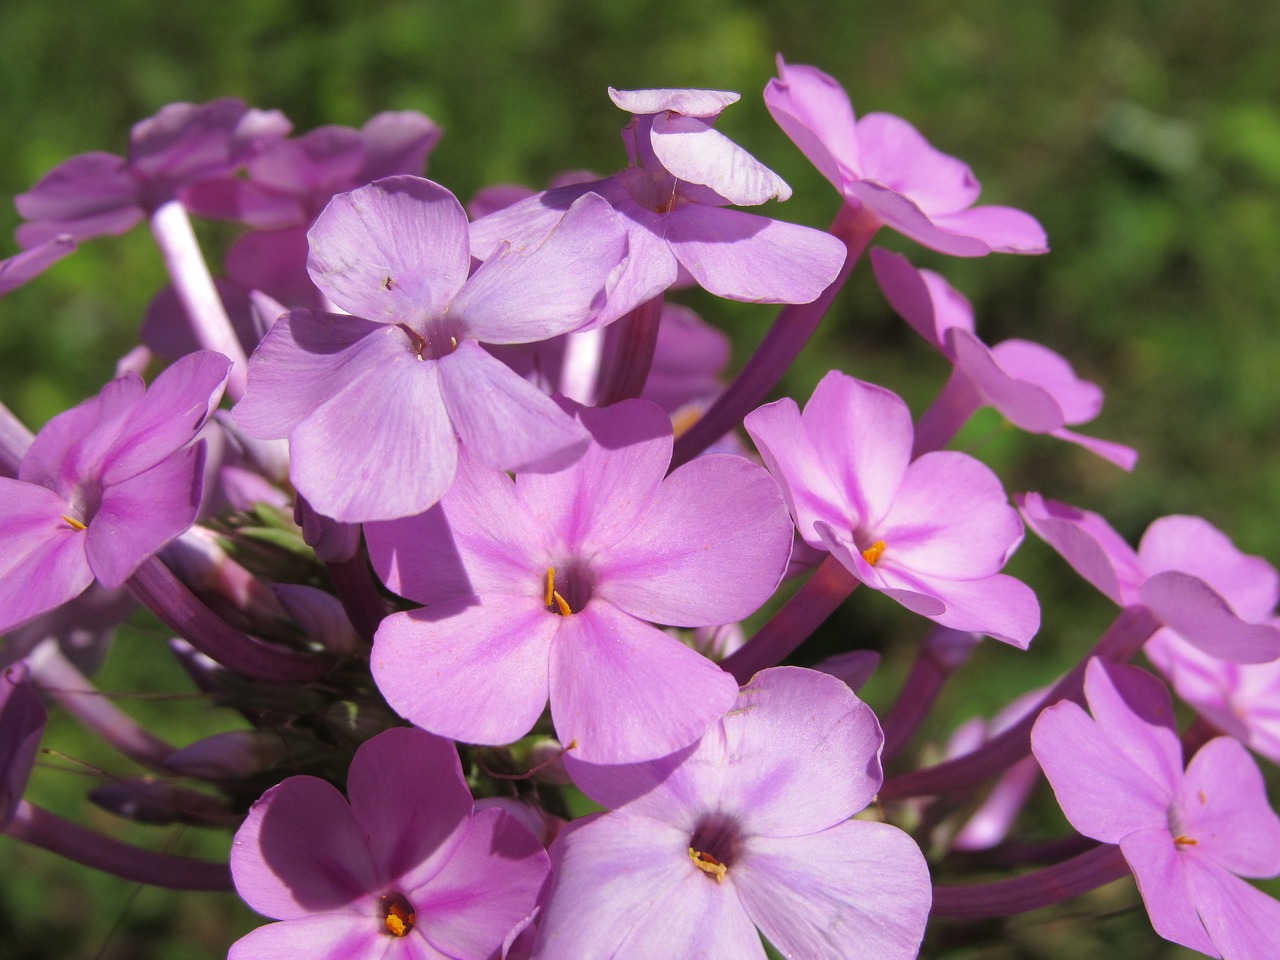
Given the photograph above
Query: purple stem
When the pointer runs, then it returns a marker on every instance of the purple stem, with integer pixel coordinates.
(1122, 641)
(791, 330)
(1031, 891)
(357, 590)
(46, 830)
(941, 654)
(171, 228)
(626, 365)
(166, 596)
(14, 440)
(804, 612)
(950, 410)
(55, 676)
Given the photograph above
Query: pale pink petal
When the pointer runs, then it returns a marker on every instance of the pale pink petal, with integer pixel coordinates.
(1026, 404)
(1163, 880)
(690, 102)
(42, 558)
(1193, 545)
(999, 606)
(733, 545)
(1198, 614)
(695, 152)
(1226, 811)
(898, 212)
(300, 851)
(789, 453)
(1134, 711)
(743, 256)
(382, 446)
(895, 154)
(1080, 400)
(910, 296)
(490, 884)
(1003, 229)
(1088, 543)
(140, 515)
(601, 497)
(394, 252)
(475, 672)
(414, 819)
(623, 691)
(863, 434)
(815, 112)
(504, 421)
(643, 898)
(324, 937)
(1126, 458)
(1242, 921)
(858, 891)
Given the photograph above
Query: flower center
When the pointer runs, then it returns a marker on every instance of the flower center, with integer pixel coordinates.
(873, 552)
(439, 340)
(398, 914)
(567, 591)
(714, 845)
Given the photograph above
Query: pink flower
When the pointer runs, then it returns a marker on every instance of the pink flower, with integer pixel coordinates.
(747, 829)
(932, 533)
(883, 164)
(406, 869)
(1187, 835)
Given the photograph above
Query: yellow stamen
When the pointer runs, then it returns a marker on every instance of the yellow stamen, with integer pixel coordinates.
(1181, 840)
(873, 552)
(74, 524)
(400, 917)
(551, 596)
(708, 864)
(685, 418)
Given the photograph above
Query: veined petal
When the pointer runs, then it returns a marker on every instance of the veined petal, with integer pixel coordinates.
(710, 549)
(381, 446)
(169, 415)
(626, 889)
(305, 358)
(815, 112)
(341, 936)
(695, 152)
(300, 851)
(788, 451)
(743, 256)
(42, 559)
(595, 502)
(468, 670)
(858, 891)
(414, 819)
(863, 434)
(396, 251)
(489, 883)
(504, 421)
(1162, 876)
(688, 101)
(623, 691)
(550, 289)
(71, 447)
(895, 154)
(141, 514)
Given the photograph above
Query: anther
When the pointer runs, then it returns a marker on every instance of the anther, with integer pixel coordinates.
(74, 524)
(552, 598)
(873, 552)
(708, 864)
(400, 916)
(1181, 840)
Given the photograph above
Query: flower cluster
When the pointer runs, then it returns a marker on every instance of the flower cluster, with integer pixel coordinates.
(476, 553)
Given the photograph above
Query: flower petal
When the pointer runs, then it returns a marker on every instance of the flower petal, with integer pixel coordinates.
(1242, 921)
(623, 691)
(1162, 876)
(693, 151)
(42, 559)
(1003, 229)
(710, 549)
(342, 936)
(1226, 810)
(815, 112)
(467, 670)
(858, 890)
(1198, 614)
(395, 251)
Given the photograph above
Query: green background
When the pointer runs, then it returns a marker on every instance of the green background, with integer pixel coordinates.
(1144, 135)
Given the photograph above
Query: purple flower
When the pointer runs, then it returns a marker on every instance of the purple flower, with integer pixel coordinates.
(22, 720)
(546, 585)
(1187, 835)
(374, 404)
(932, 533)
(1185, 571)
(882, 163)
(24, 266)
(1033, 387)
(673, 199)
(405, 870)
(747, 829)
(94, 194)
(104, 486)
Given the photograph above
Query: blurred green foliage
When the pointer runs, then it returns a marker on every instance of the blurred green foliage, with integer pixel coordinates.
(1145, 135)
